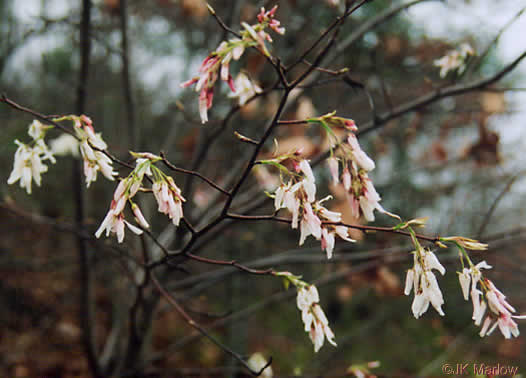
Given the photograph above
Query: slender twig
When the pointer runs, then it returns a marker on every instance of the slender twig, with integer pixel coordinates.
(493, 206)
(191, 322)
(229, 263)
(196, 174)
(480, 58)
(334, 25)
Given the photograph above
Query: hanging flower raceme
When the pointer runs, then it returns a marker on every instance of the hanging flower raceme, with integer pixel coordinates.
(423, 282)
(28, 163)
(307, 300)
(314, 319)
(114, 221)
(500, 311)
(217, 63)
(91, 147)
(362, 195)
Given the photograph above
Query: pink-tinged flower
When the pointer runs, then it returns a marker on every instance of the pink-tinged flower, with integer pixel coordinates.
(268, 17)
(359, 157)
(502, 311)
(334, 170)
(169, 199)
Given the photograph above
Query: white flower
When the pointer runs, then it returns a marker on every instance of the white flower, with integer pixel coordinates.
(310, 224)
(313, 317)
(95, 161)
(464, 279)
(37, 130)
(114, 222)
(424, 283)
(333, 168)
(65, 145)
(454, 60)
(306, 297)
(245, 88)
(28, 165)
(360, 157)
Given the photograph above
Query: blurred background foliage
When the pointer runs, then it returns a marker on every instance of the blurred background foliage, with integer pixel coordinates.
(447, 161)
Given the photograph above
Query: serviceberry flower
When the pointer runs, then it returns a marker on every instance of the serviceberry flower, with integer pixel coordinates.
(27, 165)
(169, 198)
(217, 63)
(245, 89)
(128, 187)
(91, 147)
(423, 282)
(500, 311)
(313, 317)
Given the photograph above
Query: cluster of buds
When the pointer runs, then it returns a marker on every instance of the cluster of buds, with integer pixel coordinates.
(91, 149)
(423, 282)
(500, 311)
(217, 63)
(361, 194)
(114, 221)
(28, 163)
(455, 60)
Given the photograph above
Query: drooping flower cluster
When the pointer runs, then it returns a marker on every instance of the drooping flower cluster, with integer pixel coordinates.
(298, 196)
(166, 193)
(91, 147)
(114, 221)
(454, 60)
(423, 282)
(500, 311)
(217, 63)
(169, 198)
(28, 163)
(361, 194)
(314, 319)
